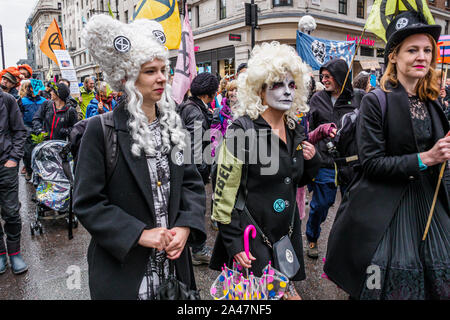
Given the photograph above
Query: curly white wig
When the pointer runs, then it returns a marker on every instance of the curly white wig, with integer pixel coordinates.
(122, 68)
(268, 64)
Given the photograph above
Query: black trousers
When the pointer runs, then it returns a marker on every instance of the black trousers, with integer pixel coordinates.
(9, 203)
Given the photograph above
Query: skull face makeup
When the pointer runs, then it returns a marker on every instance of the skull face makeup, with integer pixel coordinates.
(280, 95)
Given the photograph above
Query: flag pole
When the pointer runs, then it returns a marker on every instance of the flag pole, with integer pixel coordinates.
(351, 63)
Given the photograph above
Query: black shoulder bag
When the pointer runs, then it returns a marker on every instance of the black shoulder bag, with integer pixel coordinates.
(174, 289)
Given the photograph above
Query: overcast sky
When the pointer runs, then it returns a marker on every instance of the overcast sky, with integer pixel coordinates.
(13, 16)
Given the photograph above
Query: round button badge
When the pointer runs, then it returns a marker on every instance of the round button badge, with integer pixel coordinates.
(122, 44)
(160, 36)
(279, 205)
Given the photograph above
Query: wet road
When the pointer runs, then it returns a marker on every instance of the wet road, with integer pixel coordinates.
(58, 266)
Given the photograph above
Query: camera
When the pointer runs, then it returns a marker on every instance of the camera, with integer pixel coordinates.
(331, 148)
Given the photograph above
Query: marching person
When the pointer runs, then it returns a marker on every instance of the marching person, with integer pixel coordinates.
(26, 71)
(270, 93)
(329, 106)
(87, 93)
(12, 138)
(197, 118)
(145, 212)
(381, 222)
(31, 104)
(103, 101)
(55, 117)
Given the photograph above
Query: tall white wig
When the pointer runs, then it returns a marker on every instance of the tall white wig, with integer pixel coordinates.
(120, 50)
(268, 64)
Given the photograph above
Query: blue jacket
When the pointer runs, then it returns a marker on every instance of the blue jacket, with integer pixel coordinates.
(92, 108)
(30, 106)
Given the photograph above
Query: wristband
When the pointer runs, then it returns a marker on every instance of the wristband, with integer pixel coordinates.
(422, 166)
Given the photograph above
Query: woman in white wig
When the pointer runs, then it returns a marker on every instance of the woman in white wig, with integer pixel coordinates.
(142, 211)
(259, 187)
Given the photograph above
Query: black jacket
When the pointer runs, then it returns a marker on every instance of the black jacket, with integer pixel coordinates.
(265, 191)
(192, 111)
(57, 123)
(322, 109)
(12, 129)
(116, 213)
(388, 154)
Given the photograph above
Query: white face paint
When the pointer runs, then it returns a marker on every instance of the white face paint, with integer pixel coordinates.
(280, 95)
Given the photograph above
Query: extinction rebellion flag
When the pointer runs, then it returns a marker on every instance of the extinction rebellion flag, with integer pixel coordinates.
(316, 51)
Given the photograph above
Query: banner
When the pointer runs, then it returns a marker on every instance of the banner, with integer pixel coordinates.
(185, 70)
(165, 12)
(52, 40)
(37, 85)
(384, 11)
(67, 70)
(316, 52)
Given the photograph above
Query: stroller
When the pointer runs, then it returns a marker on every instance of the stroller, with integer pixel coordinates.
(52, 165)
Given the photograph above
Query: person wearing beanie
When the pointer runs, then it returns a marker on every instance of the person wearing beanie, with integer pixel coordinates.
(144, 212)
(26, 71)
(55, 117)
(197, 118)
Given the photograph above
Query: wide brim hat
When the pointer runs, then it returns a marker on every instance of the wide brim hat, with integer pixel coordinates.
(407, 24)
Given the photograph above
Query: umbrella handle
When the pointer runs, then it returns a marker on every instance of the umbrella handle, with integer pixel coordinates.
(246, 238)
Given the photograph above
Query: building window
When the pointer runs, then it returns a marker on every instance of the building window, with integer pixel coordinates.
(190, 16)
(126, 16)
(59, 5)
(343, 6)
(282, 3)
(360, 6)
(366, 51)
(222, 9)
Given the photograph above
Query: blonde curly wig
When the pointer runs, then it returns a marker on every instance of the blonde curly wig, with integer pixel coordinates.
(122, 69)
(268, 64)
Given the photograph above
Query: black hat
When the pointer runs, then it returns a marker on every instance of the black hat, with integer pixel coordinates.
(406, 24)
(204, 83)
(61, 90)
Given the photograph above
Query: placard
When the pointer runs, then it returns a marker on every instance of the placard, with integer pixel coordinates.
(67, 70)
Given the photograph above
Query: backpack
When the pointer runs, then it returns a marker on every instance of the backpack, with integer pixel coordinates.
(110, 140)
(345, 139)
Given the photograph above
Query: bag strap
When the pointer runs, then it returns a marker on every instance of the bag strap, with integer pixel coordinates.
(110, 140)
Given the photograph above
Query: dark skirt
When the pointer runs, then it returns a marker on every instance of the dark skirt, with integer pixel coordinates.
(409, 268)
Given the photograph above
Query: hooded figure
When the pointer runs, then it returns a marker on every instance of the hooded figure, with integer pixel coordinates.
(329, 106)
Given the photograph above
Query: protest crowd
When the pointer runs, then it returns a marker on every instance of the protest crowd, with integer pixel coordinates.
(267, 138)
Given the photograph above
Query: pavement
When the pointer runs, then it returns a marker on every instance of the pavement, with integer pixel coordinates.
(58, 266)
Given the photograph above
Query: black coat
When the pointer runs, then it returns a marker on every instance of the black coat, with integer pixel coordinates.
(12, 129)
(116, 213)
(57, 123)
(389, 158)
(191, 111)
(263, 192)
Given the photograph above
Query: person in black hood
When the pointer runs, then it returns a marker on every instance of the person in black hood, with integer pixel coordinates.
(196, 115)
(329, 106)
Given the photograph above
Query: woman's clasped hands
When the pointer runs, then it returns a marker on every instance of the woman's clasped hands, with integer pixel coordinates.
(171, 240)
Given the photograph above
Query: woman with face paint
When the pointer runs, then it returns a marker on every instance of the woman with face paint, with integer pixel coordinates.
(262, 161)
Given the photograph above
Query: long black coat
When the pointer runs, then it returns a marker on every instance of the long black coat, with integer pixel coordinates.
(116, 213)
(264, 193)
(388, 153)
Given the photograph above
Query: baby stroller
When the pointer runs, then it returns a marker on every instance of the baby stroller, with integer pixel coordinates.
(53, 186)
